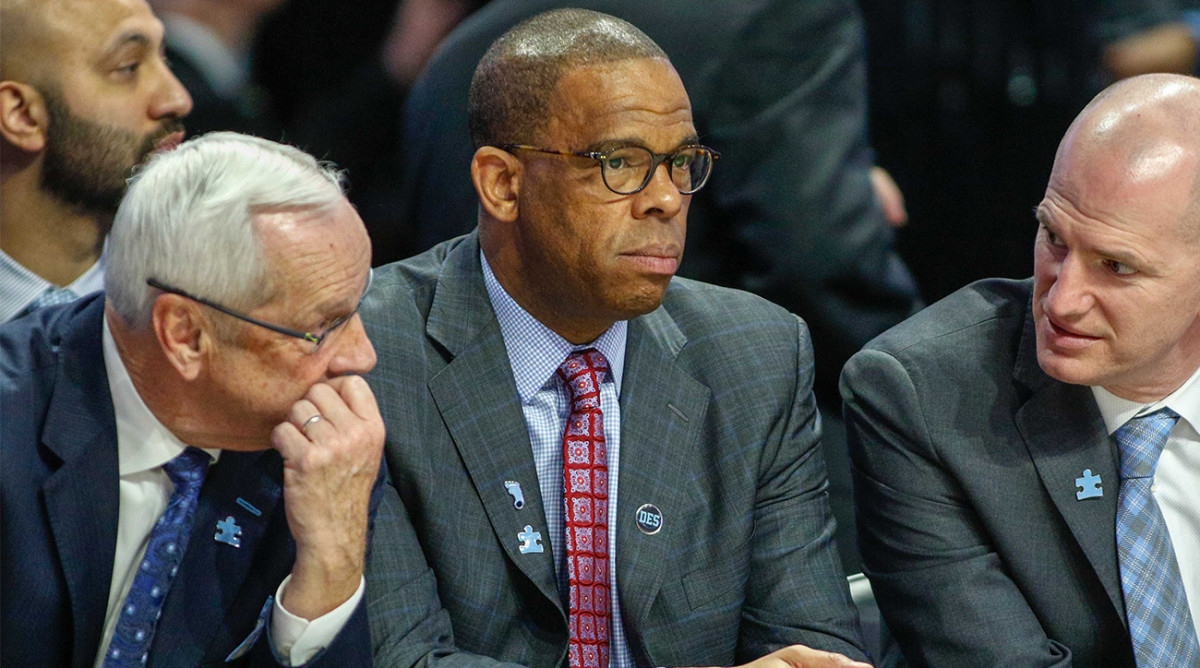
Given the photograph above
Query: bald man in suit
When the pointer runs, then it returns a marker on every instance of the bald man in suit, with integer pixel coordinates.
(1006, 511)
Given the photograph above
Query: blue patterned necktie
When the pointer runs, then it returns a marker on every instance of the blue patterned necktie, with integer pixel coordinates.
(1160, 623)
(168, 540)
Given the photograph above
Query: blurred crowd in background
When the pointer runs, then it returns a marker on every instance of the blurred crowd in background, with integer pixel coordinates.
(968, 99)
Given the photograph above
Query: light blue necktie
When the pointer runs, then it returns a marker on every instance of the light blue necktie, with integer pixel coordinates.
(131, 640)
(1160, 623)
(51, 296)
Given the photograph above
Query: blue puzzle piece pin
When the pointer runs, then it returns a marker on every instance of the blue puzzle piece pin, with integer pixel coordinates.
(529, 540)
(514, 488)
(1089, 486)
(229, 532)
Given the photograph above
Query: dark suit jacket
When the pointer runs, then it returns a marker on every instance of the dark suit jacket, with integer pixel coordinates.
(249, 113)
(965, 457)
(717, 430)
(779, 88)
(58, 520)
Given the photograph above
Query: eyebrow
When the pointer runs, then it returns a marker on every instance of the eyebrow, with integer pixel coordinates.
(135, 37)
(1120, 256)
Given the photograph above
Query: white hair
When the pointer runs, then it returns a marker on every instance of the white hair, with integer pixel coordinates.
(188, 220)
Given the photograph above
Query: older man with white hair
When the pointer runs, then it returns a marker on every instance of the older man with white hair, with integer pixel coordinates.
(190, 460)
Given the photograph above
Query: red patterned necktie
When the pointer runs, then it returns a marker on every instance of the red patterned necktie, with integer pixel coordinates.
(585, 504)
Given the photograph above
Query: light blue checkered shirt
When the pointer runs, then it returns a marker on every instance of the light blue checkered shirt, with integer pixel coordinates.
(534, 353)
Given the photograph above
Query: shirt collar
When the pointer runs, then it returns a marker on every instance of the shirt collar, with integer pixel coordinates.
(535, 351)
(19, 286)
(143, 443)
(1117, 411)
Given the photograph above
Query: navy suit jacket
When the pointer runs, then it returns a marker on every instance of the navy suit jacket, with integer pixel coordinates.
(58, 520)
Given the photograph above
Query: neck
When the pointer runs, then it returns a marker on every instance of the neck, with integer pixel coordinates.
(44, 235)
(152, 376)
(576, 330)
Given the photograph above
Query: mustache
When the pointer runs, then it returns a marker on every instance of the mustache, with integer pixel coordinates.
(168, 128)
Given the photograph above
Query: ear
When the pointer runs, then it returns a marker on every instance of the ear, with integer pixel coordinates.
(497, 177)
(182, 333)
(23, 116)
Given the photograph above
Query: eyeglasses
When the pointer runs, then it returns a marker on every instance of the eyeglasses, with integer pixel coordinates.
(314, 338)
(628, 169)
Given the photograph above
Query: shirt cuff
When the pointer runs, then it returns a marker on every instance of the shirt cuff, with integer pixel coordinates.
(297, 640)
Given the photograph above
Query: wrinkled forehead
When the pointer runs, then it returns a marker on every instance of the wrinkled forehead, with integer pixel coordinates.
(642, 94)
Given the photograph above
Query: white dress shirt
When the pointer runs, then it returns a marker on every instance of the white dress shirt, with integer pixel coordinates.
(1176, 484)
(534, 354)
(144, 445)
(19, 286)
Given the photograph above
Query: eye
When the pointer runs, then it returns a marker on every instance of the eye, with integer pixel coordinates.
(682, 160)
(1119, 268)
(1051, 237)
(128, 68)
(615, 162)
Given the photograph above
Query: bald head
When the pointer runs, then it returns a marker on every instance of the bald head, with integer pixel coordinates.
(1139, 137)
(21, 26)
(515, 80)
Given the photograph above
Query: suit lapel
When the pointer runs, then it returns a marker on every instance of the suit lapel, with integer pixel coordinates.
(477, 399)
(213, 576)
(1065, 435)
(81, 496)
(662, 411)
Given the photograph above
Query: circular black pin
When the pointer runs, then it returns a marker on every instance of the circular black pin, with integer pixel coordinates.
(649, 519)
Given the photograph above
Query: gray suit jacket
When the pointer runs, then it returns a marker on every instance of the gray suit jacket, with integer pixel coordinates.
(719, 430)
(965, 457)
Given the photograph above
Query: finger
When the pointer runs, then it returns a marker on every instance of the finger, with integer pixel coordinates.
(357, 395)
(801, 656)
(889, 196)
(301, 415)
(330, 403)
(291, 444)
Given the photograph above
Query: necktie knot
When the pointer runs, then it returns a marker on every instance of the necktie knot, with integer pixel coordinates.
(1140, 442)
(583, 371)
(53, 295)
(188, 469)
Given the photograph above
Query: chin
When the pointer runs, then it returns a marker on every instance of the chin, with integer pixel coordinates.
(643, 303)
(1066, 369)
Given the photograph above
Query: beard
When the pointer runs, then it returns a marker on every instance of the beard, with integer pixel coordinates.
(86, 164)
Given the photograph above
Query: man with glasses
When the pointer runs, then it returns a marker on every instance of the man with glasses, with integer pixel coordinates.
(600, 464)
(190, 461)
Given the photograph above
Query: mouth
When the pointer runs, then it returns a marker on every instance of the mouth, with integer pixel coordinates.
(656, 259)
(1066, 337)
(169, 141)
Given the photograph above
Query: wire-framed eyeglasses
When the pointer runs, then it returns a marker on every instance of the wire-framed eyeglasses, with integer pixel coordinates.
(628, 169)
(314, 338)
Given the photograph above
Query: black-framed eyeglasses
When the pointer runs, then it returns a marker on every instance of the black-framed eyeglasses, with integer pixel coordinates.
(314, 338)
(628, 169)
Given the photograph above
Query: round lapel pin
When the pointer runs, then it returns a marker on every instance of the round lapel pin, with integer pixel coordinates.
(649, 519)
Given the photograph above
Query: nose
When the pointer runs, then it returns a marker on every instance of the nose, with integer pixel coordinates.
(354, 353)
(170, 98)
(660, 198)
(1069, 295)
